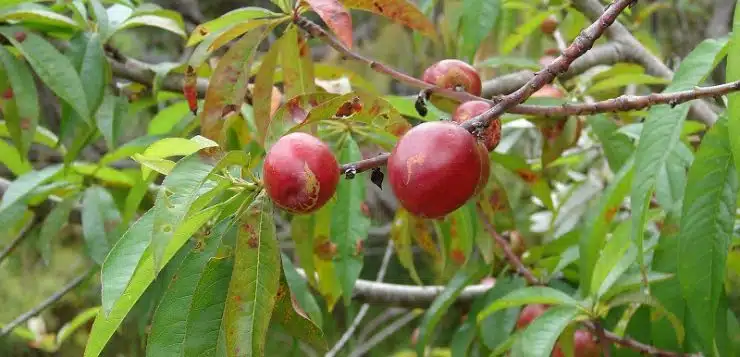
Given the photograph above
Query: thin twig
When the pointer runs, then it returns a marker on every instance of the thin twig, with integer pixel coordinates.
(606, 347)
(365, 307)
(513, 259)
(17, 241)
(384, 333)
(637, 345)
(379, 320)
(46, 303)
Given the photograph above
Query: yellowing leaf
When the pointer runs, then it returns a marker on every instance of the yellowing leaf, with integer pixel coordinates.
(336, 17)
(402, 11)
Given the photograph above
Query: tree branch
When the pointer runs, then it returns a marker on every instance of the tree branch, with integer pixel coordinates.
(513, 259)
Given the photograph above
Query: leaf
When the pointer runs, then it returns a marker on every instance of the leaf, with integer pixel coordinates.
(336, 17)
(100, 218)
(474, 270)
(254, 282)
(86, 51)
(261, 100)
(10, 157)
(661, 132)
(23, 185)
(349, 225)
(644, 299)
(52, 67)
(297, 64)
(671, 180)
(733, 74)
(161, 22)
(300, 290)
(478, 19)
(295, 322)
(539, 337)
(204, 330)
(173, 315)
(598, 222)
(42, 136)
(72, 326)
(523, 31)
(25, 101)
(167, 118)
(35, 14)
(623, 80)
(617, 148)
(707, 229)
(496, 327)
(328, 285)
(529, 295)
(401, 11)
(301, 231)
(101, 19)
(106, 324)
(401, 236)
(226, 20)
(632, 282)
(53, 224)
(611, 256)
(110, 117)
(228, 84)
(462, 233)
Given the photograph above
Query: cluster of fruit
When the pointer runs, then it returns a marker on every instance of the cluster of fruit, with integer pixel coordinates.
(435, 168)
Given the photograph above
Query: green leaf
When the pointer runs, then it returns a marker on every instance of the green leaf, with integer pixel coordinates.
(161, 22)
(228, 84)
(707, 226)
(295, 59)
(227, 20)
(301, 292)
(254, 282)
(349, 225)
(496, 327)
(539, 337)
(597, 225)
(661, 132)
(72, 326)
(204, 331)
(54, 69)
(36, 14)
(174, 313)
(612, 263)
(523, 31)
(473, 271)
(25, 101)
(110, 118)
(53, 224)
(167, 118)
(294, 320)
(733, 74)
(105, 325)
(513, 62)
(529, 295)
(23, 185)
(671, 180)
(632, 282)
(100, 217)
(644, 299)
(101, 19)
(617, 148)
(301, 231)
(42, 136)
(10, 157)
(262, 94)
(401, 236)
(478, 19)
(623, 80)
(86, 51)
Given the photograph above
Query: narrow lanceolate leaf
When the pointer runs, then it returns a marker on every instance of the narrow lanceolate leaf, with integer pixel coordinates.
(401, 236)
(53, 224)
(261, 98)
(474, 270)
(498, 326)
(538, 339)
(228, 84)
(89, 59)
(599, 220)
(25, 101)
(294, 320)
(324, 252)
(336, 17)
(254, 282)
(173, 314)
(23, 185)
(404, 12)
(617, 147)
(110, 117)
(707, 229)
(105, 325)
(12, 159)
(349, 224)
(52, 67)
(301, 230)
(530, 295)
(204, 330)
(301, 293)
(100, 220)
(661, 132)
(241, 15)
(478, 19)
(295, 59)
(733, 74)
(613, 260)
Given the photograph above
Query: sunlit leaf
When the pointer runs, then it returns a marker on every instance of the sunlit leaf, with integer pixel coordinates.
(241, 15)
(402, 11)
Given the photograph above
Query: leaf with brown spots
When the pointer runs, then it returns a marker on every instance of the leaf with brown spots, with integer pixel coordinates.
(297, 64)
(291, 317)
(402, 11)
(263, 92)
(254, 281)
(401, 236)
(228, 84)
(462, 232)
(328, 284)
(336, 17)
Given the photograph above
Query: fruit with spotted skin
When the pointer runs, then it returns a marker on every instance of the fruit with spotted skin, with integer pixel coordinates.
(492, 135)
(434, 169)
(300, 173)
(529, 313)
(455, 75)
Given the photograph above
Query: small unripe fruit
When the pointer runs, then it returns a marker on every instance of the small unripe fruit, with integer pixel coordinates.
(492, 135)
(454, 75)
(434, 169)
(528, 314)
(549, 25)
(300, 173)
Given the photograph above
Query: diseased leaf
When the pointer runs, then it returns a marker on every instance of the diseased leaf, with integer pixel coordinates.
(297, 64)
(228, 84)
(404, 12)
(401, 236)
(100, 222)
(22, 110)
(706, 231)
(661, 132)
(261, 99)
(336, 17)
(324, 252)
(52, 67)
(295, 322)
(539, 337)
(349, 225)
(254, 282)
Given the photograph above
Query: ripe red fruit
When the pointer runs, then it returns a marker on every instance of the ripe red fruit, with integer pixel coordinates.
(528, 314)
(454, 74)
(492, 135)
(300, 173)
(434, 169)
(584, 345)
(549, 25)
(485, 167)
